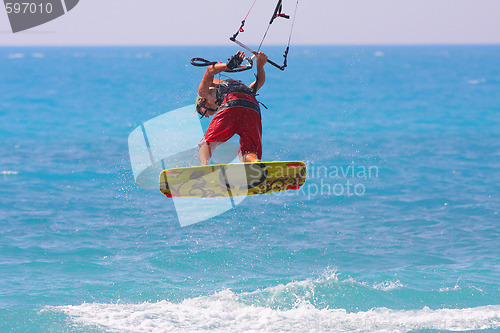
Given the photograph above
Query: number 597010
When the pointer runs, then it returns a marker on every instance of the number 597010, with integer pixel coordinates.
(28, 8)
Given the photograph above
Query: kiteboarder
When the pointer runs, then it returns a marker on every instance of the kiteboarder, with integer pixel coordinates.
(234, 107)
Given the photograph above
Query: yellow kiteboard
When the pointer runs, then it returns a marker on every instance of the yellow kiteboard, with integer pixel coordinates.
(229, 180)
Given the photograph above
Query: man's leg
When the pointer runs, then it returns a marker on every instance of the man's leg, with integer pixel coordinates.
(250, 133)
(205, 153)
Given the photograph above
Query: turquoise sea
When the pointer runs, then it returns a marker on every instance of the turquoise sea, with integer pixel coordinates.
(397, 228)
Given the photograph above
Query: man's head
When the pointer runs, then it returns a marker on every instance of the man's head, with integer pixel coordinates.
(203, 109)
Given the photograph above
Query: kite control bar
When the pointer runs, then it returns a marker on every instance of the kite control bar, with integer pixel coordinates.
(200, 62)
(233, 39)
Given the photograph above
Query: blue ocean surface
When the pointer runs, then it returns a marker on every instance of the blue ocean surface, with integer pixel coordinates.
(397, 228)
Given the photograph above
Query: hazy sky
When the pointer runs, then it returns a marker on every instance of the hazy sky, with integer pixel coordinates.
(184, 22)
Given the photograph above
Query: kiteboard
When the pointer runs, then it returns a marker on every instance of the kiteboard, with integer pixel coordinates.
(235, 179)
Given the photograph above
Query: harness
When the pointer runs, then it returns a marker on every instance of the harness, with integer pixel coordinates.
(231, 93)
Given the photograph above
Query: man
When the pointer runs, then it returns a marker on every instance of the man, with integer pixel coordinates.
(235, 108)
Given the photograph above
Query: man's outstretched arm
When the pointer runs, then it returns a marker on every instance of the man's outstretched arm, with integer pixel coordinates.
(212, 70)
(208, 78)
(261, 73)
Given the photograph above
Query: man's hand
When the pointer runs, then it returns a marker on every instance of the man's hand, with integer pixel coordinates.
(236, 60)
(261, 59)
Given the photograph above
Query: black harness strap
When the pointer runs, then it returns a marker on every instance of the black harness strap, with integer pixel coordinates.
(240, 102)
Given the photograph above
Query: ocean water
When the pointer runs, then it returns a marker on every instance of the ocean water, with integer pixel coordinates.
(395, 230)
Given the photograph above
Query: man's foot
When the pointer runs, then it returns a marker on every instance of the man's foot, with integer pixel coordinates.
(251, 157)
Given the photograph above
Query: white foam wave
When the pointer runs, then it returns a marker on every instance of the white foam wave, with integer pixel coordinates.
(311, 290)
(332, 275)
(223, 312)
(9, 172)
(388, 285)
(143, 55)
(478, 81)
(16, 56)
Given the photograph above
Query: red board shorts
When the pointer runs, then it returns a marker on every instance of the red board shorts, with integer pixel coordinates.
(236, 120)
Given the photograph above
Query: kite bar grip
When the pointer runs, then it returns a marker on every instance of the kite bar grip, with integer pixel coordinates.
(276, 65)
(255, 52)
